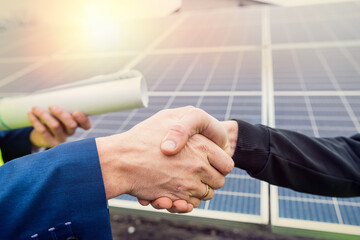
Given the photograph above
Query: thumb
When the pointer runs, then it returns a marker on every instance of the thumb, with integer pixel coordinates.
(175, 140)
(194, 121)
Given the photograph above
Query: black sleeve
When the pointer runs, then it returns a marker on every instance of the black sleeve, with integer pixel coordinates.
(15, 143)
(323, 166)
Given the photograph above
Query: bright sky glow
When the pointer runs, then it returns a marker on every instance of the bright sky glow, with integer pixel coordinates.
(101, 23)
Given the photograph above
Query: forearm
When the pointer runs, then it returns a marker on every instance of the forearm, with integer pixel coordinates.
(324, 166)
(114, 168)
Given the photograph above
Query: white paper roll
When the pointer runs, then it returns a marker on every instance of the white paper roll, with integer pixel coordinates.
(98, 95)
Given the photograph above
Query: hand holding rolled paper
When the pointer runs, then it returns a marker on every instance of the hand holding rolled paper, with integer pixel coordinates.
(98, 95)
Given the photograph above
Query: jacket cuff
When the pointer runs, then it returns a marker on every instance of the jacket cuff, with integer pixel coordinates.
(252, 148)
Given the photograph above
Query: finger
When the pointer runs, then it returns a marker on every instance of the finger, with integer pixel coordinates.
(42, 130)
(217, 158)
(167, 203)
(82, 120)
(144, 202)
(157, 206)
(206, 193)
(177, 206)
(194, 121)
(190, 207)
(162, 203)
(65, 118)
(231, 128)
(53, 125)
(181, 206)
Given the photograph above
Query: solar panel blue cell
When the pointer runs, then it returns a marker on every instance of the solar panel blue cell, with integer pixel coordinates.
(238, 171)
(127, 198)
(294, 122)
(307, 211)
(241, 185)
(351, 201)
(224, 30)
(114, 117)
(307, 70)
(355, 105)
(96, 134)
(105, 125)
(350, 214)
(305, 28)
(202, 205)
(237, 204)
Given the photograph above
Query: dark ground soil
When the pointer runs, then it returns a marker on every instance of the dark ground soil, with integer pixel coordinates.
(132, 227)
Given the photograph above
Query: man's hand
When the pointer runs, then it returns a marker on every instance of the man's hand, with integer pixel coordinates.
(181, 206)
(194, 121)
(51, 129)
(132, 162)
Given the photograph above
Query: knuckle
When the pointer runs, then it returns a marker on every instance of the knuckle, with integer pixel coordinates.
(72, 124)
(200, 145)
(218, 183)
(196, 203)
(184, 188)
(71, 132)
(55, 125)
(191, 110)
(56, 111)
(42, 131)
(196, 111)
(221, 182)
(199, 167)
(179, 188)
(178, 129)
(189, 107)
(228, 165)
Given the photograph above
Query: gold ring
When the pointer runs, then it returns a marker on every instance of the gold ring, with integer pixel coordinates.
(207, 191)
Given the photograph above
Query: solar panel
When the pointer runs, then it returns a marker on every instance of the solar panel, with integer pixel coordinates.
(295, 68)
(315, 116)
(316, 92)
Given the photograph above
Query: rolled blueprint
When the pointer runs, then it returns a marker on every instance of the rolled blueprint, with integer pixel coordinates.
(98, 95)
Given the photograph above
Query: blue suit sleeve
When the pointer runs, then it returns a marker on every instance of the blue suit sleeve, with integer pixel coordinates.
(15, 143)
(42, 193)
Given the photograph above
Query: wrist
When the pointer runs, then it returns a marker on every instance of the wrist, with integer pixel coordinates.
(112, 151)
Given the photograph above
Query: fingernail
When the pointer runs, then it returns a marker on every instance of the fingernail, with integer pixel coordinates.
(168, 145)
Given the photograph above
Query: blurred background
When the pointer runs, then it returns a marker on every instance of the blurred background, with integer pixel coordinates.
(283, 63)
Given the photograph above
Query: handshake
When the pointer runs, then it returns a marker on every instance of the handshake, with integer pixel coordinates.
(173, 160)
